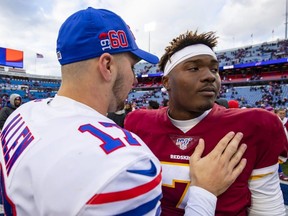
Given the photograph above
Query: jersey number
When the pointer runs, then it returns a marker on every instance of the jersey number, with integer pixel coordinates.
(109, 144)
(176, 181)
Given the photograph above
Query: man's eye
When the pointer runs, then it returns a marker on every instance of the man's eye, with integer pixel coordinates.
(193, 69)
(215, 70)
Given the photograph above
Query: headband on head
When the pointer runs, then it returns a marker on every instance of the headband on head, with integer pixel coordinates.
(185, 53)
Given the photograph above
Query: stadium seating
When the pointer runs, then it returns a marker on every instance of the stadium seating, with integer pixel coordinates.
(256, 53)
(243, 94)
(34, 86)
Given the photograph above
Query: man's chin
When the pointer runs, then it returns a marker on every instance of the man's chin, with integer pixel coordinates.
(206, 106)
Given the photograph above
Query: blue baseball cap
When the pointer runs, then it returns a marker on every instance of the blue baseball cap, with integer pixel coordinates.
(91, 32)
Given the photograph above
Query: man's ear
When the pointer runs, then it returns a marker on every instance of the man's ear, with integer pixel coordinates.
(105, 65)
(166, 83)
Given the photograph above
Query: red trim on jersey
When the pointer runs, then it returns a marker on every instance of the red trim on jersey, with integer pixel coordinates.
(5, 196)
(126, 194)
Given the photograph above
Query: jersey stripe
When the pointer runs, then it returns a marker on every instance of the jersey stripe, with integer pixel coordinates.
(126, 194)
(256, 177)
(144, 208)
(9, 206)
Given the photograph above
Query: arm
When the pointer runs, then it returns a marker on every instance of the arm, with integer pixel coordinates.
(214, 173)
(266, 193)
(136, 190)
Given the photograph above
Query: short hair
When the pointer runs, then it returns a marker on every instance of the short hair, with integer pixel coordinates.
(153, 104)
(165, 102)
(280, 109)
(184, 40)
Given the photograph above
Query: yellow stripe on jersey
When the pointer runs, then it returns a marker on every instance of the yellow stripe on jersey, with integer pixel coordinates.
(174, 164)
(256, 177)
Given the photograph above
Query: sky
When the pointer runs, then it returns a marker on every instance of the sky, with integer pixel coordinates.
(32, 26)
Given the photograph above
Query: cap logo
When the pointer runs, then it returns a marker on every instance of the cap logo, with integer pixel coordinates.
(113, 40)
(103, 36)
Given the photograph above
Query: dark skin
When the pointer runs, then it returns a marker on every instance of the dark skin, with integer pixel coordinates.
(17, 102)
(193, 86)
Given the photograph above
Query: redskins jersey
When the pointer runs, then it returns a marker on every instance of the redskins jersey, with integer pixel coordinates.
(61, 157)
(263, 134)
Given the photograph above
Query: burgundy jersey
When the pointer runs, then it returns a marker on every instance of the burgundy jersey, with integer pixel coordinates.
(263, 134)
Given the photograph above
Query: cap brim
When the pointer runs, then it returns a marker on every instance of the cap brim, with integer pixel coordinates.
(153, 59)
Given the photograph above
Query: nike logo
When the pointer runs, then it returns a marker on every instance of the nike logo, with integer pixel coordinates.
(150, 172)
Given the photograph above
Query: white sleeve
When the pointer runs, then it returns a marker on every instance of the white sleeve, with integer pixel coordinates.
(266, 194)
(200, 203)
(134, 191)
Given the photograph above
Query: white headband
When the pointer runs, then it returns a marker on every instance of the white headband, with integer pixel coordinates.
(185, 53)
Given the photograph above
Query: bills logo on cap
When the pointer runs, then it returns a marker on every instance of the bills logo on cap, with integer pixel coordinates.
(113, 40)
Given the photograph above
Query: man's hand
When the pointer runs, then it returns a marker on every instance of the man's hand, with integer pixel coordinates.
(219, 169)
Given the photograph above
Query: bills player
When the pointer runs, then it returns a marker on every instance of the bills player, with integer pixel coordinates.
(63, 156)
(191, 77)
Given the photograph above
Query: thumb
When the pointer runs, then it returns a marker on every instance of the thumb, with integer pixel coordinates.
(198, 151)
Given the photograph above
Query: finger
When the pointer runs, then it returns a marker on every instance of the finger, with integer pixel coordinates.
(237, 156)
(238, 169)
(233, 146)
(198, 151)
(222, 144)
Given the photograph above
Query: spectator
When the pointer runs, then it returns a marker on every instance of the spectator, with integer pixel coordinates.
(281, 112)
(233, 104)
(223, 102)
(270, 109)
(14, 102)
(153, 105)
(165, 102)
(118, 116)
(128, 108)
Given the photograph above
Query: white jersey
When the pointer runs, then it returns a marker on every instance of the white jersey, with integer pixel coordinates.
(61, 157)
